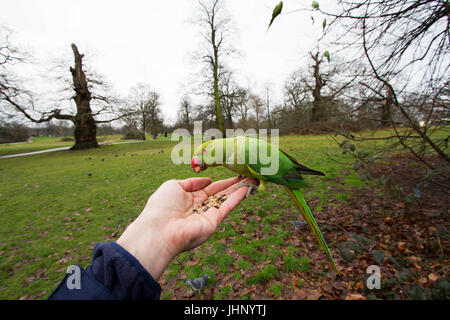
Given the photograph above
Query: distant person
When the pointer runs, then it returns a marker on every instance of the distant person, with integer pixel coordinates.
(165, 135)
(130, 267)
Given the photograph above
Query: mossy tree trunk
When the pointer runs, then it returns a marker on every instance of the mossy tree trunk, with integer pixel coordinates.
(318, 113)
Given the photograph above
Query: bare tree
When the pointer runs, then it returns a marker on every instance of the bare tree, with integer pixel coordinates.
(156, 120)
(144, 106)
(268, 112)
(85, 126)
(317, 93)
(215, 24)
(406, 44)
(242, 104)
(230, 95)
(20, 101)
(296, 93)
(10, 87)
(257, 105)
(130, 122)
(185, 113)
(334, 79)
(318, 112)
(138, 104)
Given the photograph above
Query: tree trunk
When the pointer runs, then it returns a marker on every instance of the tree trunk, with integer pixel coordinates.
(386, 109)
(144, 129)
(269, 120)
(144, 120)
(229, 121)
(85, 127)
(257, 120)
(187, 122)
(317, 112)
(85, 132)
(219, 114)
(154, 126)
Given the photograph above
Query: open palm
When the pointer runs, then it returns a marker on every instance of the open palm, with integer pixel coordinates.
(168, 226)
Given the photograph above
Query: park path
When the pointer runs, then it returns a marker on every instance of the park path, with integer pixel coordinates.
(60, 149)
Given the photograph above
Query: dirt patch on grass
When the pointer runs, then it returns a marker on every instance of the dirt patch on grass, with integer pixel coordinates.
(417, 184)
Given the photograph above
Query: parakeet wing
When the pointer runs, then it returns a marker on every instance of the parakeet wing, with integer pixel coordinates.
(289, 170)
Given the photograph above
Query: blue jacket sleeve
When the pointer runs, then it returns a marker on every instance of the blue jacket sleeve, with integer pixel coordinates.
(115, 274)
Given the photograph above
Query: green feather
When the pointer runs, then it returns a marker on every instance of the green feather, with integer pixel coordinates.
(298, 199)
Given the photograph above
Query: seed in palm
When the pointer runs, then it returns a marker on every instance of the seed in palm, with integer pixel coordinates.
(212, 201)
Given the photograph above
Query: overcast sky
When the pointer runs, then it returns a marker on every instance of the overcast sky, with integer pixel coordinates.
(153, 41)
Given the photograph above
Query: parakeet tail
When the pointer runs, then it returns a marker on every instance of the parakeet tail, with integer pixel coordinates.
(306, 212)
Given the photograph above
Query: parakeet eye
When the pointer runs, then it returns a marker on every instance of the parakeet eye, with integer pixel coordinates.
(205, 151)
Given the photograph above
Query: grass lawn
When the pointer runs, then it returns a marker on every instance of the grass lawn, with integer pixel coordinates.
(44, 143)
(52, 213)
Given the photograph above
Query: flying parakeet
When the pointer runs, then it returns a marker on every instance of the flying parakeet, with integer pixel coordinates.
(240, 155)
(276, 12)
(327, 55)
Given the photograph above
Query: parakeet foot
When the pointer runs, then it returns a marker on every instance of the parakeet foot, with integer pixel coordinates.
(262, 186)
(252, 189)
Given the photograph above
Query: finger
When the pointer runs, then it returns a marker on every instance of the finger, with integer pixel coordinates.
(194, 184)
(220, 185)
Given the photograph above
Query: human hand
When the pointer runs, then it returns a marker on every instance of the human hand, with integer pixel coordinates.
(167, 226)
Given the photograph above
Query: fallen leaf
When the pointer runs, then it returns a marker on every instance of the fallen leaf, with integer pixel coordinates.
(432, 277)
(299, 294)
(64, 260)
(360, 285)
(313, 295)
(401, 245)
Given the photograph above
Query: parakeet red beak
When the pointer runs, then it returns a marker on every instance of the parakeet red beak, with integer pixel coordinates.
(197, 165)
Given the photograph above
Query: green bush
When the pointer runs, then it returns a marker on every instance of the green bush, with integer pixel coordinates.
(13, 132)
(132, 135)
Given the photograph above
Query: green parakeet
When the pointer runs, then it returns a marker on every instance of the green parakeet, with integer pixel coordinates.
(242, 155)
(276, 12)
(327, 55)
